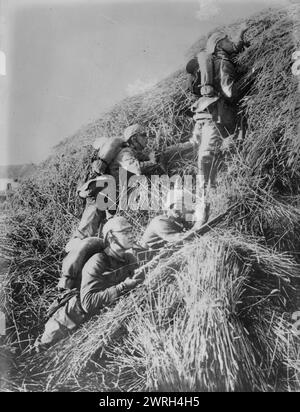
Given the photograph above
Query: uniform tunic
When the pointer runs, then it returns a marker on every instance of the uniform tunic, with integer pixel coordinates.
(102, 280)
(102, 283)
(161, 230)
(92, 217)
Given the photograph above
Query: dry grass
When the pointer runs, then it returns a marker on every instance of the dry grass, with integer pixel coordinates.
(195, 325)
(214, 315)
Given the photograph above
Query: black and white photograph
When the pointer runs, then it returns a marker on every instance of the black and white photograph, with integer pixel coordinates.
(149, 198)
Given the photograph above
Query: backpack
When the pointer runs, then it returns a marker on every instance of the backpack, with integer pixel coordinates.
(75, 260)
(73, 263)
(206, 67)
(108, 148)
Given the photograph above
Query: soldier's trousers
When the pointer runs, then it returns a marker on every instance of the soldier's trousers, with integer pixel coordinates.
(90, 221)
(209, 156)
(209, 136)
(64, 321)
(92, 217)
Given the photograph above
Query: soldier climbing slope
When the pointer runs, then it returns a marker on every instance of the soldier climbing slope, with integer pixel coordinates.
(113, 154)
(214, 77)
(106, 276)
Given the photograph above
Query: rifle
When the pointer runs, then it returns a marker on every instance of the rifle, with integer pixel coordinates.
(175, 153)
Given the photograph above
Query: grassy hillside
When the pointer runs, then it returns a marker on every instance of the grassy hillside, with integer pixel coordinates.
(214, 315)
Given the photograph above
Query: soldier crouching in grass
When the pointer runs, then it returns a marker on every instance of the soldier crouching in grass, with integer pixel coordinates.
(106, 276)
(172, 226)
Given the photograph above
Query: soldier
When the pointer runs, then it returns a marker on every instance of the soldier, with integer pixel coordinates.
(106, 276)
(127, 153)
(214, 77)
(171, 226)
(109, 274)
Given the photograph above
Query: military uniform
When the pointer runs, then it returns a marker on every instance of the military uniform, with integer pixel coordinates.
(162, 230)
(132, 163)
(103, 280)
(102, 283)
(216, 116)
(65, 320)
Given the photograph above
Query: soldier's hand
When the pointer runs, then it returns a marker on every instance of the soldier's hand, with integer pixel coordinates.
(131, 283)
(139, 276)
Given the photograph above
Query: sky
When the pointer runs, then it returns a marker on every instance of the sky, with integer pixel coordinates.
(67, 61)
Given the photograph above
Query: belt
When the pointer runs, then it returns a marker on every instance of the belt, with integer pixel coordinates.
(199, 117)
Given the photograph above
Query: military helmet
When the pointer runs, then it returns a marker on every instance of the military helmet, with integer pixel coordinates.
(133, 130)
(213, 41)
(115, 224)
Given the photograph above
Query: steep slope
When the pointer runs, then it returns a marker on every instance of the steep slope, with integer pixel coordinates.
(214, 315)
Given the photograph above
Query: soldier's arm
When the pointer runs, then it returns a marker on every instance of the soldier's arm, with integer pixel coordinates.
(143, 157)
(239, 40)
(95, 292)
(138, 164)
(179, 149)
(145, 165)
(146, 160)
